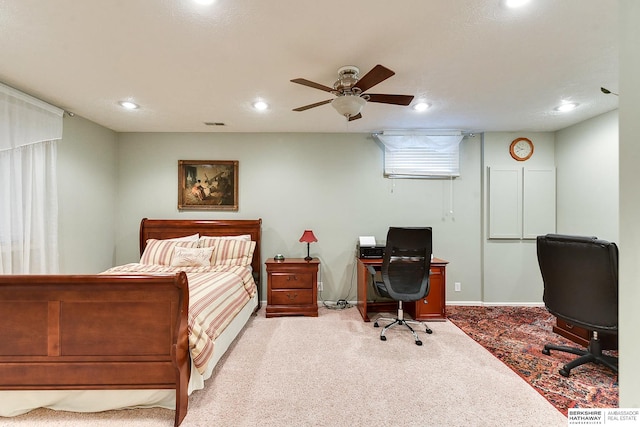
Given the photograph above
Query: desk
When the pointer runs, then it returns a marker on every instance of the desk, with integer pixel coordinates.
(430, 308)
(582, 336)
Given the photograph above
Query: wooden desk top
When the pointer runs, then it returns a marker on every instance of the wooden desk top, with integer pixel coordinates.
(375, 261)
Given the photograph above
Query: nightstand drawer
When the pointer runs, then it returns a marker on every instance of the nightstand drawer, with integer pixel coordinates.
(291, 281)
(291, 297)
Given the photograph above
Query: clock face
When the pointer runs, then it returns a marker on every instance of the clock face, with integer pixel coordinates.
(521, 149)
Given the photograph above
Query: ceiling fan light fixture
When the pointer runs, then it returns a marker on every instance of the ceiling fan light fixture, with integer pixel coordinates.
(348, 105)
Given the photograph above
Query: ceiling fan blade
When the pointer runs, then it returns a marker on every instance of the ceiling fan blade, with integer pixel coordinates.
(376, 75)
(317, 104)
(356, 117)
(314, 85)
(391, 99)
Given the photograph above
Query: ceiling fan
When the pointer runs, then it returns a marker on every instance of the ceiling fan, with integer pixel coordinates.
(350, 90)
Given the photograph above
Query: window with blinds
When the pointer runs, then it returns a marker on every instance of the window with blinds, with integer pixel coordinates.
(421, 163)
(421, 156)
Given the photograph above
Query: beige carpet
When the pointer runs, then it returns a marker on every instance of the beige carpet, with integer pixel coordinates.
(333, 370)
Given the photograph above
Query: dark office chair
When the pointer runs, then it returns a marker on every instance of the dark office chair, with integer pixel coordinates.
(405, 273)
(580, 277)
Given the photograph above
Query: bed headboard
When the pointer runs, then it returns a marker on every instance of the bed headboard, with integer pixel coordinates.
(170, 228)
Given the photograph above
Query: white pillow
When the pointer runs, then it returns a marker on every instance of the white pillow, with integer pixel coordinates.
(191, 257)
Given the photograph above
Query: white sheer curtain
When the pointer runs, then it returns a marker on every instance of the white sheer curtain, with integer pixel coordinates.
(29, 130)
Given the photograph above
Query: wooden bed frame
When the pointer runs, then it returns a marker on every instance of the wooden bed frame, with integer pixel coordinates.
(79, 332)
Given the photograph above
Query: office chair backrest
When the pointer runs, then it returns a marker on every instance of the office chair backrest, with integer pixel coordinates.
(580, 277)
(406, 263)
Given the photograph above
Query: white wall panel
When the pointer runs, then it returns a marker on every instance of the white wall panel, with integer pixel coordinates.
(505, 203)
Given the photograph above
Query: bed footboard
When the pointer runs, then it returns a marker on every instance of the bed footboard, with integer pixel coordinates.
(64, 332)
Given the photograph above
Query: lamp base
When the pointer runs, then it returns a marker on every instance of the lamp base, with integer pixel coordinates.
(308, 257)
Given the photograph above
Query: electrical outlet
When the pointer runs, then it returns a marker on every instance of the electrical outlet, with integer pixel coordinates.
(458, 286)
(320, 287)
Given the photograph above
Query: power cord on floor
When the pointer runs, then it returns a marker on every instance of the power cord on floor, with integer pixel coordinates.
(341, 304)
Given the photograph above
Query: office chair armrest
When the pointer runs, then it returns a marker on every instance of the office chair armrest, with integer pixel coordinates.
(376, 283)
(371, 270)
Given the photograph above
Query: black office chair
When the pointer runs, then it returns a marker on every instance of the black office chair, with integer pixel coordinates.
(580, 277)
(405, 273)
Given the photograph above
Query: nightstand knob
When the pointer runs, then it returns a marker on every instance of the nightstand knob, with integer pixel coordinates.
(292, 278)
(292, 297)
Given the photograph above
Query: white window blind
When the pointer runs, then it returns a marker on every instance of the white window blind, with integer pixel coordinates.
(421, 156)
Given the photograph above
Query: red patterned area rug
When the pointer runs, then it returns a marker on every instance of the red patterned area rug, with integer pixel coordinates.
(516, 336)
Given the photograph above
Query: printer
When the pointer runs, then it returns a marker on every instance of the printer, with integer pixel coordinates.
(369, 248)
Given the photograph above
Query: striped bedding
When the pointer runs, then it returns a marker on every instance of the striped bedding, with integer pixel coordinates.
(216, 295)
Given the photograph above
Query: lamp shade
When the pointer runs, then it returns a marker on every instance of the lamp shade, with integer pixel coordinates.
(308, 237)
(348, 105)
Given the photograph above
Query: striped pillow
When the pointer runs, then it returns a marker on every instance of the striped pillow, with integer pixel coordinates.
(230, 251)
(238, 237)
(159, 252)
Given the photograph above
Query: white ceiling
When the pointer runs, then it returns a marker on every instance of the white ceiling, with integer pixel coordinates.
(481, 66)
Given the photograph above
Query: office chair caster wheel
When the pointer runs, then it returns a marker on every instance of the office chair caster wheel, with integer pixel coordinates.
(375, 325)
(418, 342)
(383, 338)
(546, 351)
(564, 372)
(429, 331)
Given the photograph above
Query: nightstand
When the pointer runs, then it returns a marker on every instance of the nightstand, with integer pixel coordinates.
(292, 288)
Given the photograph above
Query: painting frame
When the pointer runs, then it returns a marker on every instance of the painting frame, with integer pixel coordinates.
(208, 185)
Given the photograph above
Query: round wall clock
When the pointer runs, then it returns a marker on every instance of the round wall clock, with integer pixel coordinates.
(521, 149)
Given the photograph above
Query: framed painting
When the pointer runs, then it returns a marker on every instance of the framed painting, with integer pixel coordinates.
(208, 185)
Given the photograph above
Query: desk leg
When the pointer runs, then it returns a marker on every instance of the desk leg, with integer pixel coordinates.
(362, 279)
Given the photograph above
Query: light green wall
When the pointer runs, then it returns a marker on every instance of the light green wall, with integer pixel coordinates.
(330, 183)
(511, 273)
(87, 178)
(587, 187)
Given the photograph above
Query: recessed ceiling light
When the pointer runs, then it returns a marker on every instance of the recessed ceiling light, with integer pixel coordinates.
(129, 105)
(563, 108)
(260, 105)
(421, 106)
(515, 3)
(204, 2)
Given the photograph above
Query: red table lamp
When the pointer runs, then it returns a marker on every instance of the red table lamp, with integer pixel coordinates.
(308, 237)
